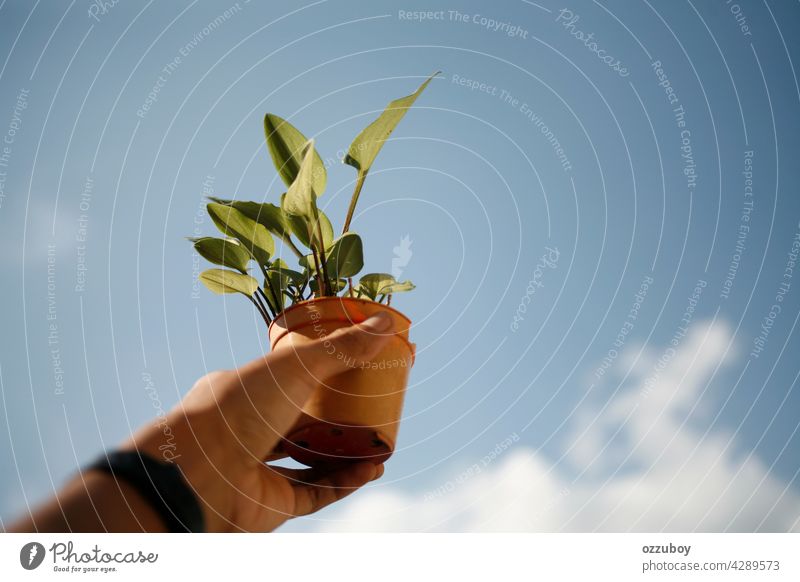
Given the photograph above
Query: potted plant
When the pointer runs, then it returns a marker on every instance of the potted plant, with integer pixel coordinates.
(354, 416)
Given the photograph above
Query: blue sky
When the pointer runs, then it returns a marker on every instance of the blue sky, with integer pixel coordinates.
(601, 199)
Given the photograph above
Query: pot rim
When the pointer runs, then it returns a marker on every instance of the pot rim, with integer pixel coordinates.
(336, 298)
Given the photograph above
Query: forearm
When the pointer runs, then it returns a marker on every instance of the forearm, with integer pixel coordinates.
(93, 502)
(96, 501)
(202, 454)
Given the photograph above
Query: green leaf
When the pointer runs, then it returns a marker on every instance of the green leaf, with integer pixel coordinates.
(301, 197)
(253, 236)
(307, 262)
(370, 284)
(223, 281)
(270, 215)
(345, 257)
(279, 278)
(219, 251)
(293, 277)
(398, 287)
(287, 148)
(299, 226)
(375, 284)
(300, 201)
(369, 142)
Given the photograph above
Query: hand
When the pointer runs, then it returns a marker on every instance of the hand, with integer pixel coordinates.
(220, 435)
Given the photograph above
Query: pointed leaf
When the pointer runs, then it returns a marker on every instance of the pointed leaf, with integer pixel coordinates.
(223, 281)
(300, 199)
(299, 226)
(398, 287)
(223, 252)
(369, 142)
(286, 147)
(270, 215)
(253, 236)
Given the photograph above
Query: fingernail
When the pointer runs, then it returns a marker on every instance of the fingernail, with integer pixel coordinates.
(378, 322)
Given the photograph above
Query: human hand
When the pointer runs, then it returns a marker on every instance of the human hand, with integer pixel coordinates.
(231, 422)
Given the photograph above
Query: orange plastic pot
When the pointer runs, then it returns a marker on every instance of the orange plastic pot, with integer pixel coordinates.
(355, 415)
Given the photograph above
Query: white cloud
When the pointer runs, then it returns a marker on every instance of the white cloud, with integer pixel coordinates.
(645, 463)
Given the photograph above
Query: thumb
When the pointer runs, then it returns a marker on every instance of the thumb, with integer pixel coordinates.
(345, 348)
(277, 386)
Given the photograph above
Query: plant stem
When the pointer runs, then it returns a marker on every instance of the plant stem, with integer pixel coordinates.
(354, 199)
(317, 263)
(260, 309)
(350, 286)
(274, 309)
(262, 297)
(323, 258)
(301, 290)
(277, 298)
(267, 308)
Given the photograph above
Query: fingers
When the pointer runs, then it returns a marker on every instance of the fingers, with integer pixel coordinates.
(311, 497)
(345, 348)
(317, 360)
(308, 476)
(271, 390)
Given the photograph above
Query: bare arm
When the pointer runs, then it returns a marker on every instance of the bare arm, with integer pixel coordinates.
(223, 430)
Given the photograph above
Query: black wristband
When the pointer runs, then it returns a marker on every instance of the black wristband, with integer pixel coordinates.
(160, 483)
